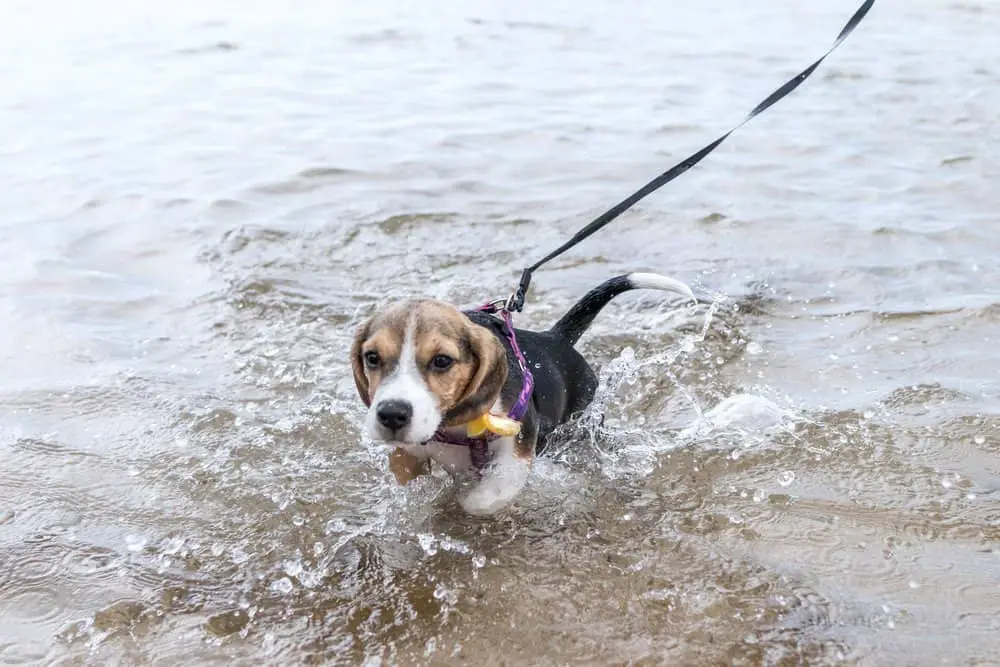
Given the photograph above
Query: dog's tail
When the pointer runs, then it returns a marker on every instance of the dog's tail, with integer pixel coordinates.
(572, 325)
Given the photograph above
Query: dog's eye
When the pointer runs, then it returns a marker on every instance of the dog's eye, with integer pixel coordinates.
(372, 359)
(442, 362)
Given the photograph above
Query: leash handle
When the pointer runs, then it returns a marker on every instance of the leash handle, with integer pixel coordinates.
(516, 301)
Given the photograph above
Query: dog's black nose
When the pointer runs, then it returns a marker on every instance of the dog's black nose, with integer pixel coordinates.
(394, 415)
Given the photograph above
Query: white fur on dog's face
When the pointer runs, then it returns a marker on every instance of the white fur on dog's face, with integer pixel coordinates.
(405, 383)
(393, 362)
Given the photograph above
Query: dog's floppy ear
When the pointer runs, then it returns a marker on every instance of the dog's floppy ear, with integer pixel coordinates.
(488, 377)
(358, 364)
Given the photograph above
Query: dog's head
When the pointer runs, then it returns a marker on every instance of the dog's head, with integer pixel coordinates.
(420, 365)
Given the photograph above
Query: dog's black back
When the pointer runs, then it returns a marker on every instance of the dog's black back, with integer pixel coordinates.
(564, 381)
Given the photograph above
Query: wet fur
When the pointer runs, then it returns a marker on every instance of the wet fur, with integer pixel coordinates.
(484, 377)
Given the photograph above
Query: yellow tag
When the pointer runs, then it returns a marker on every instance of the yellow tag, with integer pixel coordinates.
(493, 424)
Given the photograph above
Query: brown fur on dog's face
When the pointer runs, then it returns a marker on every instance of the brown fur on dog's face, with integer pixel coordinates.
(383, 333)
(407, 343)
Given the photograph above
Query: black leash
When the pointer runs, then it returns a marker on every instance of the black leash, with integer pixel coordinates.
(516, 300)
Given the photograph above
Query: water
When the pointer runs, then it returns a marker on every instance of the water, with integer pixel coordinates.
(200, 201)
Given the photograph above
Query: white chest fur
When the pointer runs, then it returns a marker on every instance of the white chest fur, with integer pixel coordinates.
(481, 492)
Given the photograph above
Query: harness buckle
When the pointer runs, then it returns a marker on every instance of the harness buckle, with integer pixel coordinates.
(495, 306)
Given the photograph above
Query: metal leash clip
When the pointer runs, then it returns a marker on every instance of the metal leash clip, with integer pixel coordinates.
(515, 302)
(495, 306)
(510, 303)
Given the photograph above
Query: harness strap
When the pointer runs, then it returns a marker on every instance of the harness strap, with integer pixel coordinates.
(480, 451)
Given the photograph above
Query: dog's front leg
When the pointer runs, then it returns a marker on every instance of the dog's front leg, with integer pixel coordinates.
(406, 466)
(501, 481)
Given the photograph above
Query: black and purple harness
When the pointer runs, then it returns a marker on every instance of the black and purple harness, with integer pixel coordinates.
(479, 446)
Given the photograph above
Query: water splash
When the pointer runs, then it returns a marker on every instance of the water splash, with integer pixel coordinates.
(741, 416)
(627, 447)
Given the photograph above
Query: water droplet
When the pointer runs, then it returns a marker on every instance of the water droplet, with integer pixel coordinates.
(318, 548)
(311, 579)
(173, 545)
(913, 584)
(293, 568)
(754, 348)
(786, 478)
(449, 544)
(283, 585)
(298, 520)
(759, 496)
(445, 594)
(627, 517)
(135, 543)
(427, 543)
(892, 339)
(479, 562)
(947, 483)
(336, 526)
(979, 440)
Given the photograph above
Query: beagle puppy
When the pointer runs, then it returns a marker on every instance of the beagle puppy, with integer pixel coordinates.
(471, 393)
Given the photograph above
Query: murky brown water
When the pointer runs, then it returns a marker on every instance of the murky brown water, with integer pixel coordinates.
(200, 200)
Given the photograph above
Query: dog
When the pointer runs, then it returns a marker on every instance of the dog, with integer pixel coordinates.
(473, 394)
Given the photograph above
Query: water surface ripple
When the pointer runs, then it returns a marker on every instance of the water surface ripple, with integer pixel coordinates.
(200, 201)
